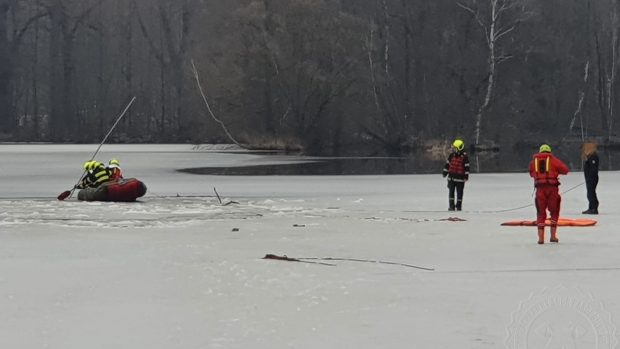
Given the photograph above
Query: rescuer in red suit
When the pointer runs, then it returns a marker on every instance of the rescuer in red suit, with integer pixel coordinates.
(545, 169)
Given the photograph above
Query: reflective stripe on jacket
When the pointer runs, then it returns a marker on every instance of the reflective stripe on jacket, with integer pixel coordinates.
(545, 169)
(96, 176)
(457, 166)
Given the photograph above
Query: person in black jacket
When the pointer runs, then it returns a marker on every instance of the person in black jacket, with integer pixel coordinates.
(457, 172)
(590, 171)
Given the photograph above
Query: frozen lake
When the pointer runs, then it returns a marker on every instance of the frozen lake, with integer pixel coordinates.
(180, 270)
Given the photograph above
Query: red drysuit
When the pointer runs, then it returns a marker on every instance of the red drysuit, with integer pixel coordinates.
(545, 169)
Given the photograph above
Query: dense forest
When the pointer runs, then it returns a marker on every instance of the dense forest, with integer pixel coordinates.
(326, 77)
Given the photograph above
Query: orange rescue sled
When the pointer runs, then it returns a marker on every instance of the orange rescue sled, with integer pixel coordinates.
(565, 222)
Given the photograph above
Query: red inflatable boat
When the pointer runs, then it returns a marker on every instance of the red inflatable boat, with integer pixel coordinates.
(123, 190)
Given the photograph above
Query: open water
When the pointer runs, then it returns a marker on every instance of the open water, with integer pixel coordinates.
(420, 163)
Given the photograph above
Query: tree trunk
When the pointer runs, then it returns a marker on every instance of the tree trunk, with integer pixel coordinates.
(62, 67)
(611, 80)
(56, 79)
(180, 57)
(490, 81)
(162, 94)
(7, 117)
(267, 112)
(386, 45)
(127, 50)
(35, 84)
(601, 83)
(409, 62)
(68, 88)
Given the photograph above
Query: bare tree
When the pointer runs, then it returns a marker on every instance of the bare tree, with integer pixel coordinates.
(169, 40)
(66, 18)
(497, 22)
(606, 50)
(5, 68)
(390, 57)
(297, 52)
(11, 36)
(260, 47)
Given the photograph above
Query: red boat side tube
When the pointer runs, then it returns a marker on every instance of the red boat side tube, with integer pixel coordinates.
(124, 190)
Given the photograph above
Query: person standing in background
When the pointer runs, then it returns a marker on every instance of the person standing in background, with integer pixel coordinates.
(590, 172)
(457, 172)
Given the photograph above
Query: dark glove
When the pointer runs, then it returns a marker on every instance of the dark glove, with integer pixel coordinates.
(444, 175)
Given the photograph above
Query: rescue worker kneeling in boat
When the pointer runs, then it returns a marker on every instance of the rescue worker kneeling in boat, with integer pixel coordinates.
(96, 174)
(114, 169)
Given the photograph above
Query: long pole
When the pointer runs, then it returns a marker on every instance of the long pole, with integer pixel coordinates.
(68, 194)
(113, 126)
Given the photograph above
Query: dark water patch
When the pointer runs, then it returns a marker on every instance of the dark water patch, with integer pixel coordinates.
(488, 162)
(357, 166)
(345, 166)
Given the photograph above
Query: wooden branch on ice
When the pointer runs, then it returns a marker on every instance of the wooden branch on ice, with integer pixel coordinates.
(218, 195)
(315, 260)
(365, 261)
(288, 259)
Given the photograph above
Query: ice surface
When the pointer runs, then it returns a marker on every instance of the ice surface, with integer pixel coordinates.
(174, 271)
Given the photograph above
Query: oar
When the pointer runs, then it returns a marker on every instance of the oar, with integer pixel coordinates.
(65, 194)
(68, 193)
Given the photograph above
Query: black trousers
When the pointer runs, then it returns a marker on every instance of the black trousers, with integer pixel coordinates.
(459, 187)
(592, 198)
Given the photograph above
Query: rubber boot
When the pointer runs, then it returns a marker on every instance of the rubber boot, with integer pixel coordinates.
(451, 207)
(541, 236)
(554, 236)
(459, 205)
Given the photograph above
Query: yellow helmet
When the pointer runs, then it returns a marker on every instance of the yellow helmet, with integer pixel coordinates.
(545, 148)
(88, 165)
(91, 165)
(458, 144)
(114, 163)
